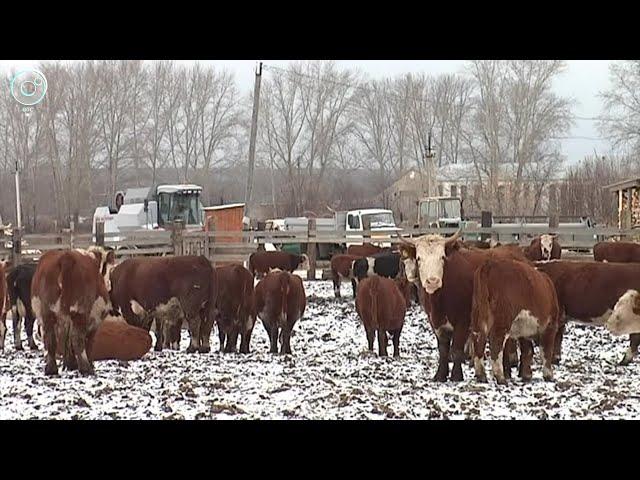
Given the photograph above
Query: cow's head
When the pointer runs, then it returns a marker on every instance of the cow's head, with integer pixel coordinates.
(106, 260)
(409, 262)
(304, 262)
(546, 244)
(625, 318)
(431, 253)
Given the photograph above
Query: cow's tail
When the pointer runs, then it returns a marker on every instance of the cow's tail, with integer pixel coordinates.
(373, 292)
(480, 298)
(284, 290)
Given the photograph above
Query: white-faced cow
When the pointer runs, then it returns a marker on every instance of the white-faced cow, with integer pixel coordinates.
(544, 247)
(444, 270)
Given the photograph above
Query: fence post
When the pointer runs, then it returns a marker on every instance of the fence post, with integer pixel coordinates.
(486, 221)
(100, 233)
(16, 247)
(72, 228)
(554, 221)
(176, 237)
(311, 249)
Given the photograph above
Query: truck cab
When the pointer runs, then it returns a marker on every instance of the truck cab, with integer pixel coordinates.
(439, 212)
(151, 208)
(374, 219)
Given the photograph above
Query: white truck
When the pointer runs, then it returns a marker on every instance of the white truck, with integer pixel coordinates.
(152, 208)
(352, 222)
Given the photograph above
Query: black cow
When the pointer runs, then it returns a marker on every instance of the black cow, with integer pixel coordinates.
(19, 290)
(384, 264)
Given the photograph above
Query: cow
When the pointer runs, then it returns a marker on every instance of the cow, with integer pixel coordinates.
(480, 244)
(443, 270)
(3, 296)
(383, 264)
(342, 268)
(625, 317)
(620, 252)
(366, 250)
(236, 315)
(280, 302)
(260, 263)
(512, 299)
(19, 289)
(70, 293)
(588, 293)
(381, 307)
(171, 290)
(544, 247)
(117, 340)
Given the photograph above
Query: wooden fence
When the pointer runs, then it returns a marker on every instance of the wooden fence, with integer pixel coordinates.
(221, 246)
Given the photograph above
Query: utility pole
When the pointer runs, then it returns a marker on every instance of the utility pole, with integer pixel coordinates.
(18, 210)
(428, 162)
(252, 141)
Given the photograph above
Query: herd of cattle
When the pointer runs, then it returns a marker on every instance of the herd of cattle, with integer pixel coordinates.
(90, 308)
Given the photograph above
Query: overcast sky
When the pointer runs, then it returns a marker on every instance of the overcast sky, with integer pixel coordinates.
(582, 81)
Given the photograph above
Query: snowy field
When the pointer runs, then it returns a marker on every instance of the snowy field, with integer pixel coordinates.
(329, 376)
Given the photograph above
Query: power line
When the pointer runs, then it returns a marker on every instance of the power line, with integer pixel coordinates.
(594, 118)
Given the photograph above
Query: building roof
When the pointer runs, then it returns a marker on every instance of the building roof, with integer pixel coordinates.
(623, 185)
(223, 207)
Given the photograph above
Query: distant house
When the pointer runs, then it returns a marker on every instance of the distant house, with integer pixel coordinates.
(537, 192)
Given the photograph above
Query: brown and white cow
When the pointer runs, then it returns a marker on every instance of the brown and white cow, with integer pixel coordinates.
(444, 270)
(381, 307)
(70, 294)
(170, 289)
(280, 303)
(622, 252)
(342, 269)
(260, 263)
(544, 247)
(3, 297)
(512, 299)
(167, 316)
(588, 292)
(117, 340)
(236, 315)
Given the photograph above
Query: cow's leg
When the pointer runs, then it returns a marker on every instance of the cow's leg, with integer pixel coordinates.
(557, 349)
(526, 358)
(479, 345)
(634, 342)
(460, 336)
(547, 344)
(273, 336)
(205, 334)
(159, 333)
(371, 336)
(194, 333)
(336, 285)
(232, 340)
(245, 339)
(3, 330)
(222, 336)
(29, 320)
(382, 342)
(285, 347)
(496, 350)
(69, 361)
(78, 340)
(396, 342)
(443, 334)
(17, 327)
(50, 344)
(354, 287)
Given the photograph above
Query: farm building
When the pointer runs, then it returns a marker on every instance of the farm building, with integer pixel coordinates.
(628, 195)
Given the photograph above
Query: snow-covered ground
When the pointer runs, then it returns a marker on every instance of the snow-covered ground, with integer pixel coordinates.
(329, 376)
